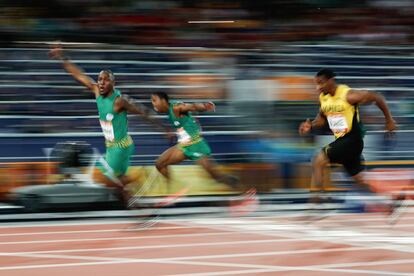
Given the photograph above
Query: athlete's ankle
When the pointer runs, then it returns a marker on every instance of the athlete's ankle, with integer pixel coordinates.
(229, 180)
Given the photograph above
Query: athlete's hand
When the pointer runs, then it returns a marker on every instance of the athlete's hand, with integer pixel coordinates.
(210, 106)
(305, 127)
(56, 52)
(390, 125)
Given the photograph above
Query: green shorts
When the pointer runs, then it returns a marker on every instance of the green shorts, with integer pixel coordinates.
(116, 161)
(196, 151)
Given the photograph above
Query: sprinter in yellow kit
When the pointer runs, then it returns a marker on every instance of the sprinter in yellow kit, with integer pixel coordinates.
(339, 109)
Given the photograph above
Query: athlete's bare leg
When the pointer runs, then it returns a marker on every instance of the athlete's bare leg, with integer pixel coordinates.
(380, 202)
(319, 165)
(210, 166)
(169, 157)
(126, 179)
(120, 183)
(361, 183)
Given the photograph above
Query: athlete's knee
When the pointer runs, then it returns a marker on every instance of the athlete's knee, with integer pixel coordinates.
(204, 162)
(160, 165)
(360, 179)
(125, 179)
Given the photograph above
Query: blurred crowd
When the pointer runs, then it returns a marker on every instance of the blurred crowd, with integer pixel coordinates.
(253, 89)
(257, 24)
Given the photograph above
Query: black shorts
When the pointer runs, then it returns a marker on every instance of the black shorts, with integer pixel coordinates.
(347, 151)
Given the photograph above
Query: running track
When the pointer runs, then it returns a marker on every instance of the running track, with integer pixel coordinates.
(350, 244)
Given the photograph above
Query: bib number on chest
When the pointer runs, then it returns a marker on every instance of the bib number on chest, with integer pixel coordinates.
(183, 136)
(337, 123)
(108, 130)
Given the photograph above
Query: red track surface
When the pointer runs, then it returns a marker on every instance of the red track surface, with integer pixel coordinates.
(361, 244)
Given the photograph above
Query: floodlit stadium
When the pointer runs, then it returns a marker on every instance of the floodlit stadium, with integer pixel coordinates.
(206, 138)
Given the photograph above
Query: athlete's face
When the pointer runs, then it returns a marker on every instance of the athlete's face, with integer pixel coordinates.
(105, 83)
(159, 105)
(325, 85)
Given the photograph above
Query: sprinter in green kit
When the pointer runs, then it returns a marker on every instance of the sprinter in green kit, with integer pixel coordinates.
(113, 109)
(191, 145)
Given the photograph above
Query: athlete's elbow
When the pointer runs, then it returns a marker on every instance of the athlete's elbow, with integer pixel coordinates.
(378, 99)
(159, 164)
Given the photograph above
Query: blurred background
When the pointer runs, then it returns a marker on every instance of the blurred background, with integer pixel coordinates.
(255, 59)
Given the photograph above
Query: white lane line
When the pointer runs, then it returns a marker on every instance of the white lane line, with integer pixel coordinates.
(48, 224)
(57, 224)
(333, 214)
(364, 271)
(120, 238)
(151, 246)
(66, 257)
(60, 232)
(129, 222)
(307, 232)
(92, 231)
(368, 263)
(268, 268)
(337, 217)
(271, 253)
(264, 270)
(400, 226)
(105, 260)
(323, 268)
(257, 268)
(179, 245)
(30, 267)
(205, 263)
(161, 260)
(301, 268)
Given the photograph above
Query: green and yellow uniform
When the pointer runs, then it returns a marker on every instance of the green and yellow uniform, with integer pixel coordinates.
(119, 145)
(344, 122)
(188, 134)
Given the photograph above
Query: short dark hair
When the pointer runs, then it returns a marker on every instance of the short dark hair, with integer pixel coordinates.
(162, 95)
(110, 74)
(327, 73)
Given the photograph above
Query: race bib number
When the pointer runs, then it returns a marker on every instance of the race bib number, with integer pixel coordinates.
(182, 136)
(108, 130)
(337, 123)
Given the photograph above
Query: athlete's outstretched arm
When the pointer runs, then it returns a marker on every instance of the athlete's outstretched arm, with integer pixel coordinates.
(127, 104)
(57, 53)
(362, 97)
(306, 126)
(199, 107)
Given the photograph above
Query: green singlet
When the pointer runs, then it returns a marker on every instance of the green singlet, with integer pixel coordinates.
(119, 145)
(188, 134)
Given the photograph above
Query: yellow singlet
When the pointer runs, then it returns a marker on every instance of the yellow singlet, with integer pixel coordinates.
(338, 111)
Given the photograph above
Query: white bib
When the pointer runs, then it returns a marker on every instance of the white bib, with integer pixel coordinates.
(337, 123)
(108, 130)
(182, 136)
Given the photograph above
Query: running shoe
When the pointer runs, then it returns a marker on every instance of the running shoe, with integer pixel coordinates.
(246, 204)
